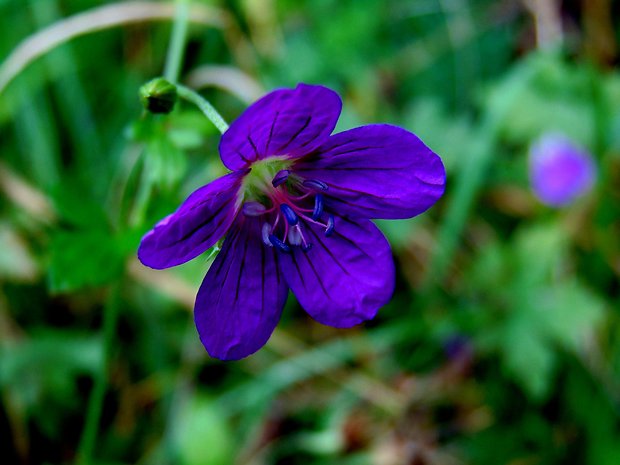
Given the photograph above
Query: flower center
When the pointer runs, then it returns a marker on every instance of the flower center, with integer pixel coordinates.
(258, 181)
(285, 203)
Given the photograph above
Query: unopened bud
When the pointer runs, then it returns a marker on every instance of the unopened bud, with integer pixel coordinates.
(158, 95)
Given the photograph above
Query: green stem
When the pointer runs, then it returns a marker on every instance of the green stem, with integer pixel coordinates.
(95, 402)
(204, 105)
(143, 198)
(177, 41)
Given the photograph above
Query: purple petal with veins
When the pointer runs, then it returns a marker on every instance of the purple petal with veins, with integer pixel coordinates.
(295, 215)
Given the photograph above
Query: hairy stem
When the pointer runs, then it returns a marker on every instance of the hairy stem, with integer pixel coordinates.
(204, 105)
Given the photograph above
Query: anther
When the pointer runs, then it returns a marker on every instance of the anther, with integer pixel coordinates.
(279, 244)
(266, 231)
(280, 177)
(315, 184)
(330, 226)
(318, 207)
(253, 209)
(294, 236)
(306, 247)
(289, 214)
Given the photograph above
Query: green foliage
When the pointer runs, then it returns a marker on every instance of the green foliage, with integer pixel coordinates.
(500, 344)
(541, 307)
(201, 433)
(39, 374)
(83, 258)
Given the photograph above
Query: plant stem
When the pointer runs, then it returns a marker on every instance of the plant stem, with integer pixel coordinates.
(95, 402)
(176, 48)
(204, 105)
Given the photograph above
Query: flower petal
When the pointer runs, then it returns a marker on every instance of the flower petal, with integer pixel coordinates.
(343, 279)
(291, 122)
(241, 298)
(376, 171)
(197, 225)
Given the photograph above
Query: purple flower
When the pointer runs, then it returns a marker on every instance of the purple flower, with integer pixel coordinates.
(296, 212)
(559, 171)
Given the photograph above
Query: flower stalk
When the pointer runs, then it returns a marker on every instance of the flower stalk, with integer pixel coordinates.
(203, 104)
(95, 402)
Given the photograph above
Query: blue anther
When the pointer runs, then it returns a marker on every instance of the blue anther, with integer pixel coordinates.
(330, 226)
(289, 214)
(318, 207)
(280, 177)
(279, 244)
(294, 236)
(265, 234)
(315, 184)
(306, 247)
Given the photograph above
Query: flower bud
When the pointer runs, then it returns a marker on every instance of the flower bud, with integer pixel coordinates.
(158, 95)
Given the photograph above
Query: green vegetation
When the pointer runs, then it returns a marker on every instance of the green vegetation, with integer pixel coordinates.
(502, 342)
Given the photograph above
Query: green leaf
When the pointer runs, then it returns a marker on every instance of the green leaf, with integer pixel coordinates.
(569, 314)
(201, 434)
(527, 356)
(83, 259)
(558, 97)
(75, 205)
(40, 372)
(537, 251)
(165, 163)
(447, 134)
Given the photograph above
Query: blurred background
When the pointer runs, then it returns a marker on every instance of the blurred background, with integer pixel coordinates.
(501, 343)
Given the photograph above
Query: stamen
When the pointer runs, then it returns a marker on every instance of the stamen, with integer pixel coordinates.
(253, 209)
(294, 236)
(280, 177)
(265, 233)
(315, 184)
(318, 207)
(330, 226)
(300, 197)
(289, 214)
(279, 244)
(275, 224)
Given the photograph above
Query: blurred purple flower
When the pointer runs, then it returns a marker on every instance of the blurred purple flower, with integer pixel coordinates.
(296, 213)
(560, 172)
(457, 346)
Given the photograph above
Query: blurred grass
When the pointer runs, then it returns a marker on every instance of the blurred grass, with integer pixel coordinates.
(500, 344)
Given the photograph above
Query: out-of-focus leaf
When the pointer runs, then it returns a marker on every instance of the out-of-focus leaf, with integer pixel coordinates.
(185, 138)
(538, 251)
(541, 310)
(201, 433)
(449, 135)
(46, 365)
(569, 314)
(398, 232)
(75, 205)
(528, 357)
(164, 162)
(596, 415)
(558, 97)
(83, 258)
(188, 129)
